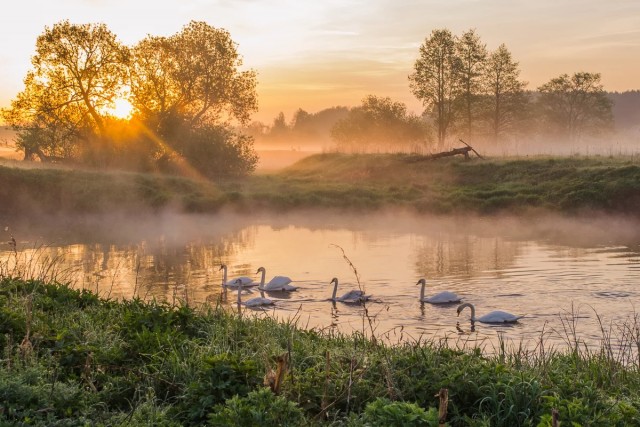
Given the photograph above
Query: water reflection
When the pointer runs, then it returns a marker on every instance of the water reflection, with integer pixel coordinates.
(498, 264)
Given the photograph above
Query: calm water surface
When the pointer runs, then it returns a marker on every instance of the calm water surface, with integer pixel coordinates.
(558, 272)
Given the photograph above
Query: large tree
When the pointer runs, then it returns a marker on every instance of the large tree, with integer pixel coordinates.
(188, 89)
(436, 79)
(473, 54)
(380, 123)
(573, 105)
(505, 92)
(78, 72)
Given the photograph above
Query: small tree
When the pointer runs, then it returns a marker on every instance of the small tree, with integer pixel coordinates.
(506, 96)
(436, 79)
(473, 55)
(571, 106)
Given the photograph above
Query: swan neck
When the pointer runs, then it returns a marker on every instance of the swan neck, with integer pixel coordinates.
(422, 291)
(264, 273)
(473, 311)
(224, 275)
(239, 292)
(335, 290)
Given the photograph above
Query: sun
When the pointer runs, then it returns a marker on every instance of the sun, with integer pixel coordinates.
(122, 108)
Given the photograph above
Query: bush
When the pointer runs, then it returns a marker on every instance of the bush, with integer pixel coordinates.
(383, 412)
(259, 408)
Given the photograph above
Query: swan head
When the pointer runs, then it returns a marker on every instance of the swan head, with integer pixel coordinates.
(261, 269)
(238, 283)
(223, 266)
(334, 280)
(421, 282)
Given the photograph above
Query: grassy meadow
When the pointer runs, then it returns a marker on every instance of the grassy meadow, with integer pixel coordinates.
(344, 181)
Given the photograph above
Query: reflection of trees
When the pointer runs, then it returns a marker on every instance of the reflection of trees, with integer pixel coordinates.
(464, 255)
(153, 268)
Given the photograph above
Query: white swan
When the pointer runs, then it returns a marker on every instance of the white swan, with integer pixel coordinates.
(246, 281)
(353, 296)
(278, 283)
(253, 302)
(493, 317)
(445, 297)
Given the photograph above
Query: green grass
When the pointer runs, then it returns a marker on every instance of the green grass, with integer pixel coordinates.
(345, 181)
(71, 358)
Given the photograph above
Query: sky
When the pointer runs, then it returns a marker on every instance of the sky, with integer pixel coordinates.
(319, 54)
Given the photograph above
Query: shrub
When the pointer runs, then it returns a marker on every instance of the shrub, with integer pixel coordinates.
(259, 408)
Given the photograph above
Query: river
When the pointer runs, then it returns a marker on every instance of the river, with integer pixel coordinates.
(569, 277)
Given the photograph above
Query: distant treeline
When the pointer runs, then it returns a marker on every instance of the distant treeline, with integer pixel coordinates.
(466, 91)
(306, 129)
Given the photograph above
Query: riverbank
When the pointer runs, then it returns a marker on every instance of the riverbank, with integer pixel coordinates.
(71, 358)
(343, 181)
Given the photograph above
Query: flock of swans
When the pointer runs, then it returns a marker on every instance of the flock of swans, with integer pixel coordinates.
(354, 296)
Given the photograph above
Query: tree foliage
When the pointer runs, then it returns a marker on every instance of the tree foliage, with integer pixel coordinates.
(78, 72)
(380, 123)
(573, 105)
(192, 77)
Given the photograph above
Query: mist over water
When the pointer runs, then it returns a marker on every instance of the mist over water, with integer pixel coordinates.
(549, 268)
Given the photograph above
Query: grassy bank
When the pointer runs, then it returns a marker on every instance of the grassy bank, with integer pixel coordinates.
(339, 181)
(70, 358)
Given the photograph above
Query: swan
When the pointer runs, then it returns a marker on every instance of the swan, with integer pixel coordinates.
(246, 281)
(253, 302)
(353, 296)
(441, 298)
(278, 283)
(493, 317)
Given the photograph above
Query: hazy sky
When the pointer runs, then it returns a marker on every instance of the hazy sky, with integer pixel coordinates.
(318, 54)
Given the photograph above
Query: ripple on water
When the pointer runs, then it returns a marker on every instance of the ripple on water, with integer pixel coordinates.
(612, 294)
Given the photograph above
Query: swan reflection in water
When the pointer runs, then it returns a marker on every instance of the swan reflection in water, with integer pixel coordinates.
(253, 302)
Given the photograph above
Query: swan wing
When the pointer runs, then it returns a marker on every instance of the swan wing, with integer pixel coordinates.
(246, 282)
(443, 298)
(280, 283)
(499, 317)
(354, 296)
(257, 302)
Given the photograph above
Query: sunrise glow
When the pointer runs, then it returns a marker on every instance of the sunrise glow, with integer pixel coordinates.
(122, 109)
